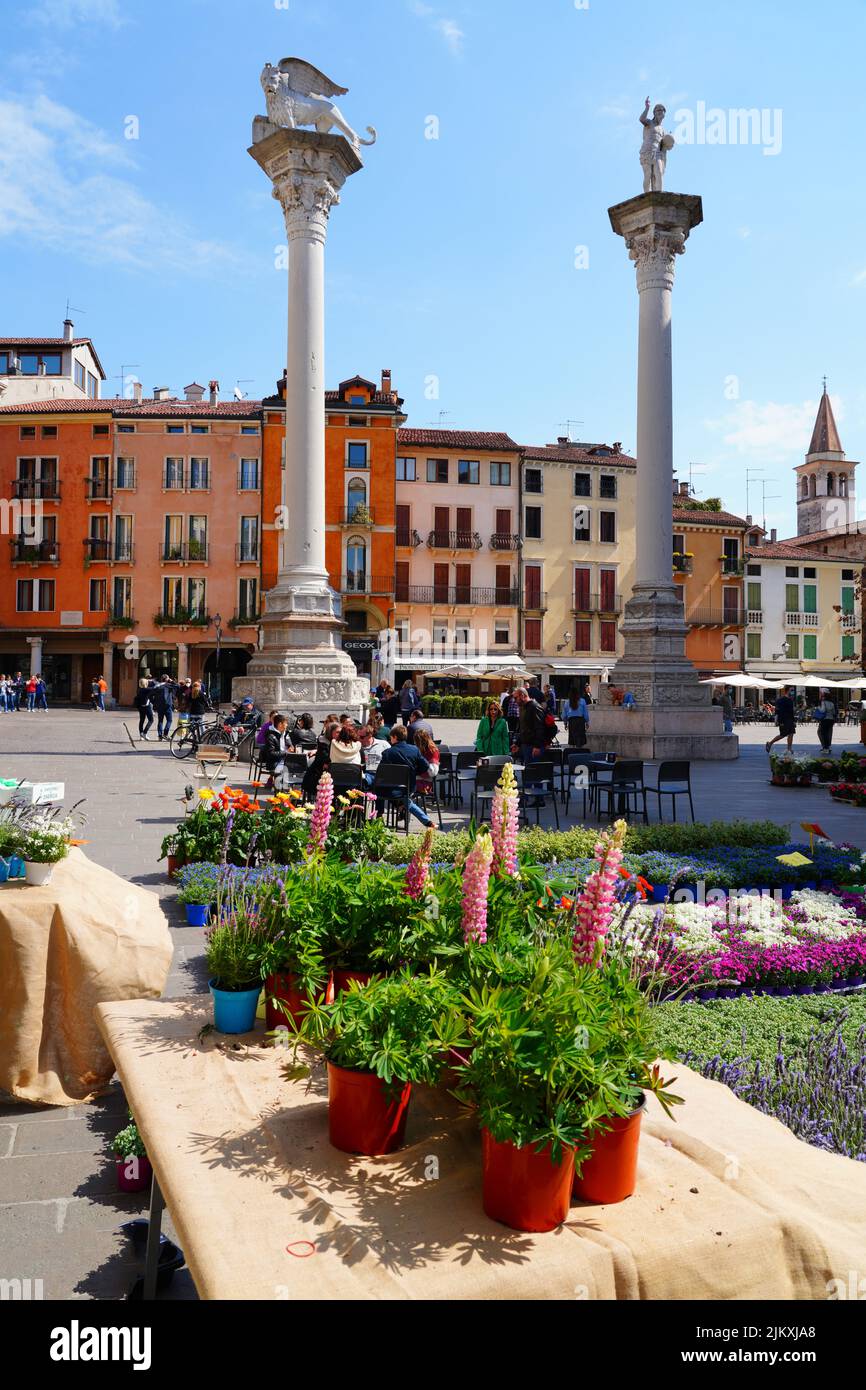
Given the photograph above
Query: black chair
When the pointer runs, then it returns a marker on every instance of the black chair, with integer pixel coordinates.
(445, 790)
(588, 784)
(392, 778)
(294, 768)
(429, 792)
(494, 759)
(674, 779)
(484, 789)
(626, 788)
(464, 772)
(538, 786)
(348, 777)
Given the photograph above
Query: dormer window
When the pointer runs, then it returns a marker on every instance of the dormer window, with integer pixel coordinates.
(357, 400)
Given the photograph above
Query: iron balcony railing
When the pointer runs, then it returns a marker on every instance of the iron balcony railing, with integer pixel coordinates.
(535, 603)
(598, 603)
(43, 489)
(183, 552)
(458, 595)
(359, 515)
(362, 583)
(501, 541)
(36, 552)
(98, 489)
(716, 617)
(118, 554)
(247, 553)
(181, 617)
(408, 539)
(454, 540)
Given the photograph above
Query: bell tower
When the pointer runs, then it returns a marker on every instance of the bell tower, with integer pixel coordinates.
(826, 482)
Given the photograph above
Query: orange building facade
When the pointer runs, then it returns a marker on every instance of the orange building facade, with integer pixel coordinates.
(708, 563)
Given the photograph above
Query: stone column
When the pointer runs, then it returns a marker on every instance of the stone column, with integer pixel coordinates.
(108, 669)
(35, 645)
(182, 661)
(674, 717)
(301, 665)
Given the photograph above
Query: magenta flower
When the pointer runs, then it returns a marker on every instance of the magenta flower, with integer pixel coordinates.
(504, 821)
(476, 880)
(419, 869)
(321, 817)
(595, 907)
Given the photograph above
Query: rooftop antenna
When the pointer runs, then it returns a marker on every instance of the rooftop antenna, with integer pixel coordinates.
(753, 475)
(567, 424)
(71, 309)
(773, 496)
(442, 414)
(122, 378)
(242, 381)
(693, 469)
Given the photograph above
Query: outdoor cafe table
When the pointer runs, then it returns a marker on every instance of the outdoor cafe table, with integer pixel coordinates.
(729, 1204)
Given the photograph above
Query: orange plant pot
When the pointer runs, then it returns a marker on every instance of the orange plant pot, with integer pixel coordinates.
(341, 978)
(364, 1115)
(283, 987)
(525, 1190)
(610, 1173)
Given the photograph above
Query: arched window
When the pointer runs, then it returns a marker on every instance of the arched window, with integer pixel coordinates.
(843, 484)
(356, 498)
(804, 489)
(356, 566)
(813, 486)
(831, 484)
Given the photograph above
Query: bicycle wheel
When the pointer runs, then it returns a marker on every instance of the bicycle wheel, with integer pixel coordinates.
(182, 743)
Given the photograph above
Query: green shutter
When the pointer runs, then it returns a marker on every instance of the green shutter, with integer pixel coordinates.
(753, 600)
(792, 598)
(847, 648)
(810, 598)
(794, 646)
(810, 648)
(847, 600)
(753, 646)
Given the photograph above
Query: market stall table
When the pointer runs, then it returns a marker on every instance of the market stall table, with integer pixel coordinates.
(85, 937)
(729, 1204)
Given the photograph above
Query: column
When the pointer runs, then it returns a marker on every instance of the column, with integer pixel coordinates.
(182, 660)
(108, 669)
(654, 252)
(35, 645)
(306, 207)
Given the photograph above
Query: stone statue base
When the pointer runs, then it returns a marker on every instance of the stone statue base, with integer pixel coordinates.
(300, 669)
(675, 717)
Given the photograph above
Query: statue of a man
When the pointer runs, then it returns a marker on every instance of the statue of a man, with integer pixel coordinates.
(654, 150)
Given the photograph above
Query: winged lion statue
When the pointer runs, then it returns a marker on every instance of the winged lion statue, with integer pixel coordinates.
(298, 94)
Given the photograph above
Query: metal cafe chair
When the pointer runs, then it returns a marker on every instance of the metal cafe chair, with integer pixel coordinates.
(484, 790)
(580, 763)
(389, 778)
(464, 772)
(348, 777)
(625, 792)
(674, 779)
(538, 786)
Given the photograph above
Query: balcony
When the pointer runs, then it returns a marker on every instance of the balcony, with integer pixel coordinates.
(122, 617)
(505, 543)
(36, 489)
(108, 552)
(98, 489)
(731, 568)
(597, 603)
(35, 552)
(183, 553)
(408, 540)
(850, 622)
(756, 617)
(457, 596)
(715, 617)
(181, 617)
(798, 620)
(361, 583)
(247, 553)
(683, 564)
(358, 516)
(245, 619)
(535, 603)
(454, 540)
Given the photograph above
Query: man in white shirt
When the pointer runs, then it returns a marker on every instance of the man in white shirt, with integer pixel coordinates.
(417, 722)
(372, 749)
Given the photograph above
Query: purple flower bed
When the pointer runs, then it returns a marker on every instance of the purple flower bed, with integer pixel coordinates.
(799, 964)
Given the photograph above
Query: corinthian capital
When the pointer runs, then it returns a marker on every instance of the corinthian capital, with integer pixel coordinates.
(654, 253)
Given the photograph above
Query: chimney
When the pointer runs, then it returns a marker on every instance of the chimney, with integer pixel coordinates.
(617, 448)
(194, 392)
(773, 535)
(160, 393)
(214, 392)
(748, 521)
(386, 381)
(563, 441)
(281, 385)
(684, 489)
(136, 392)
(68, 330)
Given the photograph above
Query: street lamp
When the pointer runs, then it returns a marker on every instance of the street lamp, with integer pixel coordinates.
(218, 628)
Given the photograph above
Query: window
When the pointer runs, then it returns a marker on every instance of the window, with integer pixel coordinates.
(731, 550)
(532, 586)
(92, 386)
(582, 485)
(199, 474)
(440, 635)
(172, 596)
(356, 456)
(500, 475)
(249, 475)
(462, 636)
(582, 524)
(173, 542)
(753, 598)
(792, 598)
(48, 431)
(123, 538)
(533, 480)
(532, 634)
(356, 620)
(810, 574)
(27, 432)
(608, 637)
(124, 473)
(847, 648)
(78, 373)
(582, 577)
(406, 470)
(196, 598)
(249, 429)
(401, 627)
(754, 570)
(98, 595)
(99, 430)
(607, 486)
(35, 596)
(199, 429)
(583, 637)
(848, 574)
(608, 591)
(248, 599)
(502, 635)
(810, 647)
(731, 606)
(31, 362)
(100, 481)
(126, 429)
(848, 595)
(792, 572)
(468, 471)
(793, 645)
(437, 470)
(810, 598)
(753, 646)
(356, 500)
(356, 566)
(175, 429)
(532, 523)
(249, 542)
(607, 528)
(358, 420)
(173, 473)
(402, 583)
(198, 538)
(121, 597)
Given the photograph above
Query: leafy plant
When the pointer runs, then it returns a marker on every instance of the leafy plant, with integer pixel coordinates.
(199, 885)
(129, 1143)
(236, 945)
(45, 840)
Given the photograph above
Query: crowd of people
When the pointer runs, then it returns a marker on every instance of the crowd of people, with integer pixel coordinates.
(19, 692)
(162, 699)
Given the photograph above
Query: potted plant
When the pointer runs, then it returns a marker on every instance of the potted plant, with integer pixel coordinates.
(292, 965)
(197, 894)
(44, 842)
(234, 950)
(379, 1040)
(131, 1163)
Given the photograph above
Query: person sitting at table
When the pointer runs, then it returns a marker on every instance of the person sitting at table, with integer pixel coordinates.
(416, 725)
(428, 750)
(303, 735)
(372, 748)
(346, 749)
(492, 738)
(274, 755)
(262, 730)
(322, 757)
(403, 754)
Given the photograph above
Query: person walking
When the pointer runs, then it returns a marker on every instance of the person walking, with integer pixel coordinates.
(826, 714)
(576, 716)
(409, 700)
(492, 738)
(511, 712)
(785, 718)
(40, 694)
(144, 704)
(101, 692)
(163, 704)
(4, 694)
(532, 730)
(199, 706)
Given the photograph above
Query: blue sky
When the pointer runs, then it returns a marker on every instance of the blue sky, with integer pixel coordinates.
(455, 258)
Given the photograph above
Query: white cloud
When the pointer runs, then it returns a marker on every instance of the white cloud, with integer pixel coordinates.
(447, 29)
(770, 432)
(64, 14)
(859, 279)
(65, 185)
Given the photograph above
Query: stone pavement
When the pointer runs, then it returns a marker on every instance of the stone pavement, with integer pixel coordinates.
(59, 1212)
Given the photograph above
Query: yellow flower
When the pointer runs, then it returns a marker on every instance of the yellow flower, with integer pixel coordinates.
(206, 794)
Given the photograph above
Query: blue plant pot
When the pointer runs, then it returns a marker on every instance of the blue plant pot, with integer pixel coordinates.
(805, 989)
(16, 867)
(4, 869)
(197, 915)
(856, 982)
(659, 893)
(706, 994)
(784, 991)
(729, 992)
(823, 989)
(234, 1011)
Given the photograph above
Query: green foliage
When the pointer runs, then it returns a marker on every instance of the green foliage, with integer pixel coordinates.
(199, 886)
(733, 1028)
(129, 1143)
(401, 1027)
(236, 946)
(549, 846)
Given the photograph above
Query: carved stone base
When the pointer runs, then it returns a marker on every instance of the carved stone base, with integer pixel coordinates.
(657, 734)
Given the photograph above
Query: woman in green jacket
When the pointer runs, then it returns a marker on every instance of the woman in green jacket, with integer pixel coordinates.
(493, 738)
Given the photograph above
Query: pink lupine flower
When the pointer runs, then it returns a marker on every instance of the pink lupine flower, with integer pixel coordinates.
(419, 869)
(476, 880)
(321, 817)
(504, 821)
(594, 910)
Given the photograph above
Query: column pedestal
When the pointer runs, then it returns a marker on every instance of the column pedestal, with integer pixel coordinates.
(674, 717)
(300, 666)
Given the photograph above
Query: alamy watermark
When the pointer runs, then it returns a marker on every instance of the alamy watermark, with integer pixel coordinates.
(713, 125)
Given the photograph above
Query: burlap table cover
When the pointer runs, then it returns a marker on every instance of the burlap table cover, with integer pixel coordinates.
(729, 1204)
(85, 937)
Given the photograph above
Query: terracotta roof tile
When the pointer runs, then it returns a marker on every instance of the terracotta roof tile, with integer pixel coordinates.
(456, 439)
(123, 408)
(558, 453)
(781, 550)
(694, 517)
